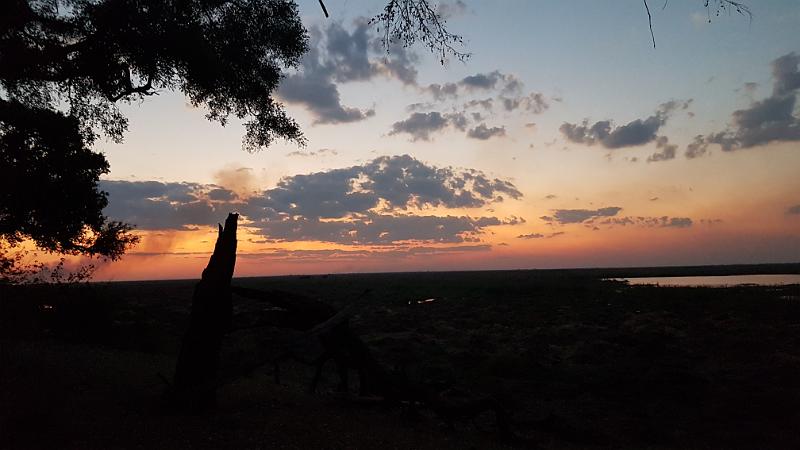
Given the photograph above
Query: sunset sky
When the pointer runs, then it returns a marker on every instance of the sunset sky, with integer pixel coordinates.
(565, 140)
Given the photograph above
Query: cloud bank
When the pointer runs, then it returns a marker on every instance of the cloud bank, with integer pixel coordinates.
(389, 200)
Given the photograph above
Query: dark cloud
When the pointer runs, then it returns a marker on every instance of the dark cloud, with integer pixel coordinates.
(398, 182)
(458, 120)
(492, 81)
(341, 56)
(152, 205)
(531, 236)
(769, 120)
(367, 204)
(534, 102)
(540, 235)
(666, 150)
(221, 194)
(634, 133)
(793, 210)
(678, 222)
(650, 222)
(785, 74)
(698, 147)
(565, 216)
(399, 62)
(315, 89)
(443, 91)
(375, 229)
(420, 125)
(378, 203)
(487, 104)
(482, 132)
(485, 81)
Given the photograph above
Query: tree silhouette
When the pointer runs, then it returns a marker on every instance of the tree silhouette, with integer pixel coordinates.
(66, 64)
(48, 186)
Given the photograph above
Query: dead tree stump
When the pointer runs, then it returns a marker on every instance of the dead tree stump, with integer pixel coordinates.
(197, 368)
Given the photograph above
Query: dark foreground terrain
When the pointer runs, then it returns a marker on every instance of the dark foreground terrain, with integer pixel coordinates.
(577, 362)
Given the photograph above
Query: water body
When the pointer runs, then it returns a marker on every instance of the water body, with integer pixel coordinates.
(727, 280)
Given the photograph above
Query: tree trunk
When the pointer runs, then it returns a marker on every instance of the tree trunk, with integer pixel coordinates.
(198, 362)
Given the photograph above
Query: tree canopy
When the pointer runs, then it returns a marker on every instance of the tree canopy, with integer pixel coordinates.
(66, 64)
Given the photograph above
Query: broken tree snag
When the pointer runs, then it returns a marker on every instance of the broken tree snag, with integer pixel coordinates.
(210, 320)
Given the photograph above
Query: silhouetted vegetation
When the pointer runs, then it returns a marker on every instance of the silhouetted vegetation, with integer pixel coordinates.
(574, 360)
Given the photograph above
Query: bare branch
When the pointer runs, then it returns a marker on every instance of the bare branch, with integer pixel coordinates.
(406, 21)
(721, 6)
(650, 21)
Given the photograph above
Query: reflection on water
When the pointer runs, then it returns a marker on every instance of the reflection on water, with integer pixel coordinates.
(728, 280)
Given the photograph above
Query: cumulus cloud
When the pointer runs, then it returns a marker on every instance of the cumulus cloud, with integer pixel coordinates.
(422, 125)
(491, 80)
(609, 217)
(153, 205)
(534, 102)
(765, 121)
(531, 236)
(666, 150)
(340, 56)
(650, 222)
(221, 194)
(479, 82)
(486, 103)
(482, 132)
(398, 182)
(785, 74)
(371, 204)
(385, 201)
(540, 235)
(565, 216)
(634, 133)
(442, 91)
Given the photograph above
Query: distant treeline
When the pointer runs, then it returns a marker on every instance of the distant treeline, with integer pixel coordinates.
(687, 271)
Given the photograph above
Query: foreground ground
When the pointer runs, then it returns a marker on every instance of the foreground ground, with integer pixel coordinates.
(578, 362)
